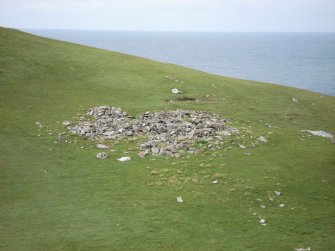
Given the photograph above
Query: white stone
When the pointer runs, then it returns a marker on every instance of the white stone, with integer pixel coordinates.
(124, 159)
(294, 99)
(277, 193)
(179, 199)
(66, 123)
(281, 205)
(320, 133)
(215, 181)
(303, 249)
(262, 139)
(176, 91)
(262, 221)
(101, 146)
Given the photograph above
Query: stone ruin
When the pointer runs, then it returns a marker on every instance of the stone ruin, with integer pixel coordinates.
(166, 133)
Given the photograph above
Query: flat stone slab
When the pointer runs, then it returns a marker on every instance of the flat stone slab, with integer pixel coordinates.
(320, 133)
(101, 146)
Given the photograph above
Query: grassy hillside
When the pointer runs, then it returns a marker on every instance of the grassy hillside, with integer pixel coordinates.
(58, 196)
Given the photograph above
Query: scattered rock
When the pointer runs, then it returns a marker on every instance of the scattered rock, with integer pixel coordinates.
(101, 146)
(215, 181)
(102, 155)
(294, 99)
(263, 206)
(281, 205)
(176, 91)
(277, 193)
(168, 133)
(179, 199)
(320, 133)
(174, 79)
(124, 159)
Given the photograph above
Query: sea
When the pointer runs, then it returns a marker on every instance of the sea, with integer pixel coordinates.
(301, 60)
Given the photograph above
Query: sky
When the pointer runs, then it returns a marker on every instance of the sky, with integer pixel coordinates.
(171, 15)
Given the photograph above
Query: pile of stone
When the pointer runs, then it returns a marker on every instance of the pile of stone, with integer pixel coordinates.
(167, 132)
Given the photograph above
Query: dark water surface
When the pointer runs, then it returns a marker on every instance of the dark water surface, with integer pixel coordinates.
(302, 60)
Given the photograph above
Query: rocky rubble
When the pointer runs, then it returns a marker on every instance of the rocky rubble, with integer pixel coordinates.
(168, 132)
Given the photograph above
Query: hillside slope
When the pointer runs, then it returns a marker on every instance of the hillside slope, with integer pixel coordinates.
(58, 196)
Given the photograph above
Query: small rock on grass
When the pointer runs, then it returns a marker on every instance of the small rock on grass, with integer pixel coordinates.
(262, 221)
(176, 91)
(179, 199)
(66, 123)
(262, 139)
(102, 155)
(124, 159)
(101, 146)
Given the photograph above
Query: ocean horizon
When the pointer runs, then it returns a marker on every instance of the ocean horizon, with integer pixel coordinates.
(301, 60)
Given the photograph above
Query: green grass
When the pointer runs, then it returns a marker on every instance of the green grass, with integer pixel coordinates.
(58, 196)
